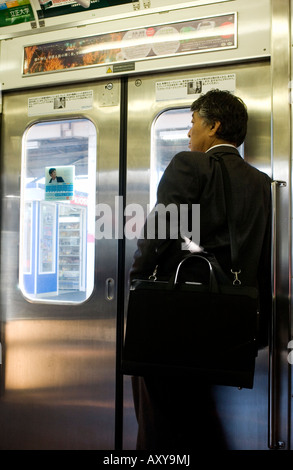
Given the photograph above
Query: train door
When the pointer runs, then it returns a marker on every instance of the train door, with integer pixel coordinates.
(60, 150)
(158, 121)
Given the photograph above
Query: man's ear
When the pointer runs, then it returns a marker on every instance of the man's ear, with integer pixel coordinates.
(215, 127)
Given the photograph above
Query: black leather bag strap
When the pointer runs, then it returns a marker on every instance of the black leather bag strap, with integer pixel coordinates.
(231, 221)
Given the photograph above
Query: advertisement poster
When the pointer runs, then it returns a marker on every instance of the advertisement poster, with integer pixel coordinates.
(60, 103)
(59, 183)
(15, 12)
(191, 87)
(194, 36)
(50, 8)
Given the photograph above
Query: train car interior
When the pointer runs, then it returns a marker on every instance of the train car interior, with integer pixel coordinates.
(97, 94)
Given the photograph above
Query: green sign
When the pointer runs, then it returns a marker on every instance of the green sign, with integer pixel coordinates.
(15, 12)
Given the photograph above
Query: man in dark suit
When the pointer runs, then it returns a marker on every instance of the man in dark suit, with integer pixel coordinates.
(178, 414)
(54, 178)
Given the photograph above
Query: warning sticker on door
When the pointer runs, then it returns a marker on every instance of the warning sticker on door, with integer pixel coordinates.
(60, 103)
(193, 87)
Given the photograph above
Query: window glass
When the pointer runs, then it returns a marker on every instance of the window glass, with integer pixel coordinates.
(57, 245)
(169, 136)
(27, 238)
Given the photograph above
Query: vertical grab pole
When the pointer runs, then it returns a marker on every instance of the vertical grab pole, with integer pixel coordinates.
(272, 444)
(271, 420)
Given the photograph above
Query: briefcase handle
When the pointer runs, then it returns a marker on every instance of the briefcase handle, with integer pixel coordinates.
(213, 284)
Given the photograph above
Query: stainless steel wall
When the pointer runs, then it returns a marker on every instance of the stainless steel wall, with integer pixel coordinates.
(58, 370)
(280, 369)
(243, 412)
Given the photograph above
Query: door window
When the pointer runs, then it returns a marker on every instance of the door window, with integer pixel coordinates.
(57, 246)
(169, 136)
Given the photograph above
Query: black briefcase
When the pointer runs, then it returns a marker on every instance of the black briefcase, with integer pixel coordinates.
(208, 330)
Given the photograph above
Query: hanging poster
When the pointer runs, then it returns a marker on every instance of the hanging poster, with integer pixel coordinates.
(59, 183)
(50, 8)
(194, 36)
(15, 12)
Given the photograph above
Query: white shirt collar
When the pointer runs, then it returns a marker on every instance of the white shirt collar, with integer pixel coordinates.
(220, 145)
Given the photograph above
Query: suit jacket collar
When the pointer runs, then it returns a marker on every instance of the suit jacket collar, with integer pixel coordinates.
(224, 149)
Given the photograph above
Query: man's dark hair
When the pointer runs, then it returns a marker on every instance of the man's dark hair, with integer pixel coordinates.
(51, 170)
(228, 109)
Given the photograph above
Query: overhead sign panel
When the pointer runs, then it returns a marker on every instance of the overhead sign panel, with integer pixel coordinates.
(154, 41)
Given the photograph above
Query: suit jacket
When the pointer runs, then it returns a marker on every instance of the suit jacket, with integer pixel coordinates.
(59, 179)
(196, 178)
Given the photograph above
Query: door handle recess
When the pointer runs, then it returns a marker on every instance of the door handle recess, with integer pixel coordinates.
(109, 288)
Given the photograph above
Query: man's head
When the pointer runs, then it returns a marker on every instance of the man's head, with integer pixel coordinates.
(219, 117)
(52, 172)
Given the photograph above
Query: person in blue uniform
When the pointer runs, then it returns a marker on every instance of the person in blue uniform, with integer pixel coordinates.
(175, 413)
